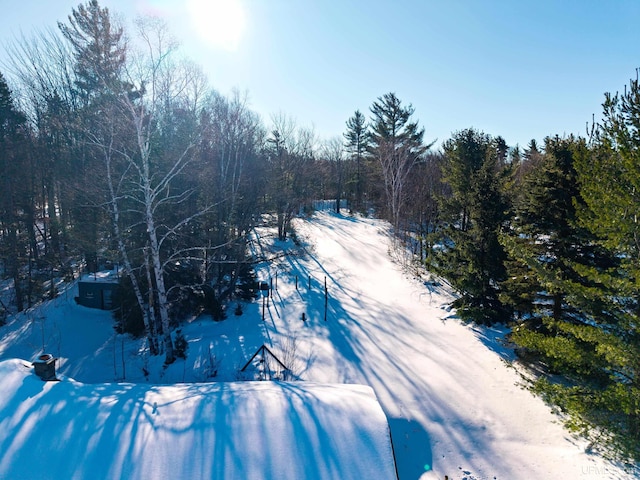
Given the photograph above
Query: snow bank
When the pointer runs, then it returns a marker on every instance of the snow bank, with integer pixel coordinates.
(248, 430)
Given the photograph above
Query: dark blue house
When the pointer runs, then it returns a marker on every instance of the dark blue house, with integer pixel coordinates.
(97, 290)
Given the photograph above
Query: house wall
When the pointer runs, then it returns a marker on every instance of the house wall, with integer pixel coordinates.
(96, 294)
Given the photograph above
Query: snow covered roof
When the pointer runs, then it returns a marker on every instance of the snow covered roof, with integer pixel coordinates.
(105, 276)
(244, 430)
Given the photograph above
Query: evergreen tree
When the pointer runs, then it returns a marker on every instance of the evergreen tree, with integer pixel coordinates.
(397, 144)
(502, 150)
(610, 181)
(476, 211)
(543, 239)
(548, 250)
(531, 157)
(572, 254)
(99, 54)
(98, 47)
(515, 155)
(357, 143)
(15, 199)
(532, 151)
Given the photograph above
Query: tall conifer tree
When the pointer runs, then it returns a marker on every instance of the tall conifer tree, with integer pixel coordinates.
(357, 143)
(610, 182)
(476, 212)
(99, 53)
(397, 144)
(544, 238)
(15, 199)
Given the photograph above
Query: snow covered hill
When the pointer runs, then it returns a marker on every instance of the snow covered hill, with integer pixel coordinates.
(451, 399)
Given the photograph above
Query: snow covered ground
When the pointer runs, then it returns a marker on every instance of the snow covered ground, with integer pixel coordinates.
(452, 402)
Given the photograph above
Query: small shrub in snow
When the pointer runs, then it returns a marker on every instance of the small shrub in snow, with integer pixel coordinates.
(181, 345)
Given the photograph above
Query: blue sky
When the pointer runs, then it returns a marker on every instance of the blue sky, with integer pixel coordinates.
(520, 69)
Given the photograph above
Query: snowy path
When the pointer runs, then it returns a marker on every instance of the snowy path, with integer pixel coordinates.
(453, 405)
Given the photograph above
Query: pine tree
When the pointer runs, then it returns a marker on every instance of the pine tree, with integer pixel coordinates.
(569, 249)
(397, 144)
(476, 212)
(544, 236)
(98, 47)
(99, 53)
(531, 158)
(357, 143)
(548, 250)
(610, 181)
(14, 189)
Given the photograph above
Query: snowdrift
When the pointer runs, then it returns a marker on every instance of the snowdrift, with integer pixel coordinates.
(244, 430)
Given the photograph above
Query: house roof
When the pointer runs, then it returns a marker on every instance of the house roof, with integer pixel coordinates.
(106, 276)
(248, 430)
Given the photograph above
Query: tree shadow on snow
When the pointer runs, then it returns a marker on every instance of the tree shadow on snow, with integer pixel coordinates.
(495, 339)
(411, 447)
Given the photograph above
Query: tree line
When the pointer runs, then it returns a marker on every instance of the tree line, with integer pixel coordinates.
(546, 241)
(114, 148)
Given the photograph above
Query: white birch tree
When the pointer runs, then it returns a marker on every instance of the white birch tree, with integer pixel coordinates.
(141, 171)
(160, 85)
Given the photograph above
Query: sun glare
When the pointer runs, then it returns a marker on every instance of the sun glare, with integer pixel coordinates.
(218, 23)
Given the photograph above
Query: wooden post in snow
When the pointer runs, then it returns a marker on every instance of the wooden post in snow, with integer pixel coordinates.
(326, 298)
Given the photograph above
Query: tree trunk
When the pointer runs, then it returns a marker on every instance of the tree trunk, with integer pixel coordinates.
(154, 252)
(282, 226)
(115, 217)
(14, 267)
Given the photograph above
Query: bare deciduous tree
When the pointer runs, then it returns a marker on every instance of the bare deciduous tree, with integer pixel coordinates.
(290, 150)
(333, 151)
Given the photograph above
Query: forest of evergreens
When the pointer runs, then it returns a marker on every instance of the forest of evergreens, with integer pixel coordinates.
(113, 149)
